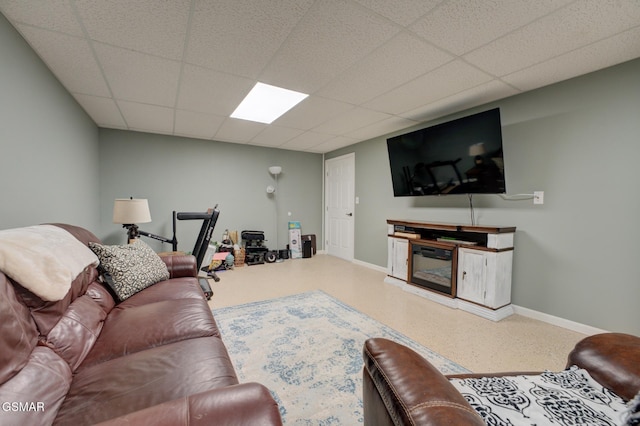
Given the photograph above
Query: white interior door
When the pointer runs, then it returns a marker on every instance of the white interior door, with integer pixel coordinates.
(340, 206)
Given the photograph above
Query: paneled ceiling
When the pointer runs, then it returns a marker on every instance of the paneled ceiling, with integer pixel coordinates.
(371, 67)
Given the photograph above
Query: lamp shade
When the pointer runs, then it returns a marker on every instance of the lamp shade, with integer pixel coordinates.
(477, 149)
(131, 210)
(275, 170)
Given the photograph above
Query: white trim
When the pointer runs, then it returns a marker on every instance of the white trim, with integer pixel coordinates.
(508, 310)
(487, 313)
(443, 300)
(369, 265)
(560, 322)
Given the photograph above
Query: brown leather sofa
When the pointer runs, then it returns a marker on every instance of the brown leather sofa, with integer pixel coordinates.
(155, 358)
(402, 388)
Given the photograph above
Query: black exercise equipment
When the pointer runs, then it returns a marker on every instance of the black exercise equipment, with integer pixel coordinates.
(209, 219)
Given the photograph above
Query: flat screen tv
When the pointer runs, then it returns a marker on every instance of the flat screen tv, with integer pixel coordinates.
(463, 156)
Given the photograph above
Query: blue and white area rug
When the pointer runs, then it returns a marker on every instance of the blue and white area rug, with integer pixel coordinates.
(307, 349)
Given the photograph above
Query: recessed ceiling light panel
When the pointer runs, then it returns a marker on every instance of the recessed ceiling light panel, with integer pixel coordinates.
(265, 103)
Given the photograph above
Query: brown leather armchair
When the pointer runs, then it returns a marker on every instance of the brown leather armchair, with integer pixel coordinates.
(402, 388)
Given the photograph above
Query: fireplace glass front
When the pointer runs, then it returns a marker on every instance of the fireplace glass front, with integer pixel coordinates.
(431, 267)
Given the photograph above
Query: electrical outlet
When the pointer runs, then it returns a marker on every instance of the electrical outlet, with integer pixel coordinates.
(538, 197)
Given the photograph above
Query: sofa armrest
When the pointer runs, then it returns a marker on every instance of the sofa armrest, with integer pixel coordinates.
(243, 404)
(400, 387)
(180, 265)
(612, 359)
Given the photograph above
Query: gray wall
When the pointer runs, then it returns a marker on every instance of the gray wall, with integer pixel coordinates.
(579, 142)
(48, 145)
(184, 174)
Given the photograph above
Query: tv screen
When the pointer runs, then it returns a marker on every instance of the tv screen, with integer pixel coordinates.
(463, 156)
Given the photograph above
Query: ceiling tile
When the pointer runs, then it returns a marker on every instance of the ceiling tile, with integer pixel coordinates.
(54, 15)
(139, 77)
(579, 24)
(275, 136)
(617, 49)
(311, 112)
(239, 36)
(147, 118)
(331, 37)
(70, 59)
(182, 66)
(402, 59)
(381, 127)
(478, 95)
(197, 124)
(353, 119)
(306, 141)
(157, 27)
(402, 12)
(211, 91)
(103, 111)
(462, 25)
(333, 144)
(449, 79)
(235, 130)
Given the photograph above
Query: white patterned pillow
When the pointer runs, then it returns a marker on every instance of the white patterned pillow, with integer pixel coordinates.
(569, 397)
(133, 267)
(632, 415)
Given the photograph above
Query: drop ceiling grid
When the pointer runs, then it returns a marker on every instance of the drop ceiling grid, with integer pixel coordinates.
(479, 95)
(208, 91)
(156, 27)
(461, 26)
(579, 24)
(241, 36)
(331, 37)
(615, 49)
(196, 124)
(440, 83)
(369, 65)
(103, 111)
(62, 53)
(401, 59)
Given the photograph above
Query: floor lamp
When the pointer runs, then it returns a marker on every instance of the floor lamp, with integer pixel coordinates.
(275, 171)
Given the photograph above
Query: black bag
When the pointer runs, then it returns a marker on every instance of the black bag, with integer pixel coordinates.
(252, 235)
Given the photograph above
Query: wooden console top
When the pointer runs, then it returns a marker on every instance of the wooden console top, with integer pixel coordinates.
(453, 226)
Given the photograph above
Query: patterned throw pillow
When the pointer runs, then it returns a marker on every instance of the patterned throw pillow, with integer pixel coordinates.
(133, 267)
(633, 412)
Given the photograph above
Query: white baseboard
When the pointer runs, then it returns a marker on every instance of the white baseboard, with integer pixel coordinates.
(369, 265)
(560, 322)
(497, 315)
(486, 313)
(443, 300)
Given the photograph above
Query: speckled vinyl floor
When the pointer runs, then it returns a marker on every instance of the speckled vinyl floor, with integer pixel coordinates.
(516, 343)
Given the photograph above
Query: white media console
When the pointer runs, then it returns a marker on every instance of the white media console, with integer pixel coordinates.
(467, 267)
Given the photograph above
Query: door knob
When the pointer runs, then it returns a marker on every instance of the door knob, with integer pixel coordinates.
(349, 214)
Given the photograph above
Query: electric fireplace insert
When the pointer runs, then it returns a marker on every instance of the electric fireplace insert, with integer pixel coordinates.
(432, 267)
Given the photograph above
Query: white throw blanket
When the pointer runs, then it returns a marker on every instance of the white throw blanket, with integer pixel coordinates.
(45, 259)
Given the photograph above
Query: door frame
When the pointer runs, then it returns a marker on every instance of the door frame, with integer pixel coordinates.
(325, 222)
